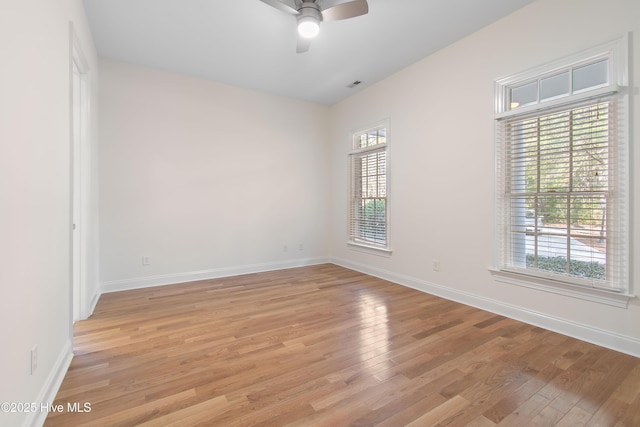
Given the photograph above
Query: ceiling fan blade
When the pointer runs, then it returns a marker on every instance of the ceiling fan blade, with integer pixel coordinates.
(287, 6)
(334, 10)
(303, 44)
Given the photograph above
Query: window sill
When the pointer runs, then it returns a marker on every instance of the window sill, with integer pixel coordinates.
(613, 298)
(373, 250)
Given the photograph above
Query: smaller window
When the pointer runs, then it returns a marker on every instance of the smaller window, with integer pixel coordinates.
(368, 211)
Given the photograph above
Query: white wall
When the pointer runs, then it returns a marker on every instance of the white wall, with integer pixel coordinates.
(441, 161)
(35, 196)
(205, 179)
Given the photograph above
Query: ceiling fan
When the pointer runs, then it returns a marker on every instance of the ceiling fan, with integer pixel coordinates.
(310, 13)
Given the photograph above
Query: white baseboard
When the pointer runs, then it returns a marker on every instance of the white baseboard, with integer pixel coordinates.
(608, 339)
(94, 302)
(192, 276)
(51, 386)
(88, 311)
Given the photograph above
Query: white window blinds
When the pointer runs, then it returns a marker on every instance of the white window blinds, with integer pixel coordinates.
(561, 196)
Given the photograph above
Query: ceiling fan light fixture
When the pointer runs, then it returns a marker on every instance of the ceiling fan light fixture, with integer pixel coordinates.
(310, 13)
(309, 20)
(308, 27)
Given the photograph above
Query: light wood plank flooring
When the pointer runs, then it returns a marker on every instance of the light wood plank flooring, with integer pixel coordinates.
(327, 346)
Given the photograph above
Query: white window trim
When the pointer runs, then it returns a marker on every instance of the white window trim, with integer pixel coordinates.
(617, 52)
(372, 250)
(384, 251)
(616, 299)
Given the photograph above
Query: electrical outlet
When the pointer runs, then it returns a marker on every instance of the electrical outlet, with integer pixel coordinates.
(436, 265)
(34, 359)
(146, 260)
(285, 248)
(301, 247)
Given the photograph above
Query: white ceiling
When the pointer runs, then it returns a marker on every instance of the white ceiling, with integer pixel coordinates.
(249, 44)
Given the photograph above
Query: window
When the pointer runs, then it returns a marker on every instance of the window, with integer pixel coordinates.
(562, 176)
(368, 212)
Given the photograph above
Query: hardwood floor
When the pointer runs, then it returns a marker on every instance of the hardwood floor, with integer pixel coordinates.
(327, 346)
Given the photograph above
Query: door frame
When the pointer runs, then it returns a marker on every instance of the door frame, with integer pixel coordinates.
(79, 115)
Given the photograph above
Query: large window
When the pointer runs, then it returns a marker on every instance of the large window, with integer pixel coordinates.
(368, 213)
(562, 178)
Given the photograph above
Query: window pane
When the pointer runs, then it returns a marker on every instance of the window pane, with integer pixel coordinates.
(361, 141)
(591, 148)
(587, 250)
(371, 138)
(591, 75)
(554, 153)
(554, 86)
(523, 95)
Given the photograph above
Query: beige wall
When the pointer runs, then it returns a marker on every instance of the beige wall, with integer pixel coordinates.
(205, 179)
(441, 164)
